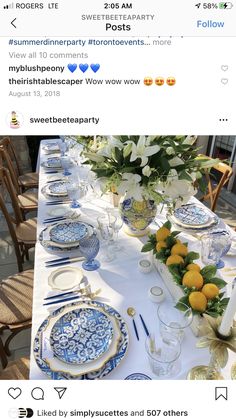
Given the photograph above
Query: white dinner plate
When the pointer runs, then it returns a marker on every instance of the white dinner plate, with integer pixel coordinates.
(59, 212)
(65, 278)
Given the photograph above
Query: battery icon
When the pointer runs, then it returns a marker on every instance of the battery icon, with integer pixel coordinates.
(225, 5)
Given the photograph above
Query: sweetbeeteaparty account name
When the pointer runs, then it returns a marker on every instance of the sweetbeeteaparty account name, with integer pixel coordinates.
(118, 17)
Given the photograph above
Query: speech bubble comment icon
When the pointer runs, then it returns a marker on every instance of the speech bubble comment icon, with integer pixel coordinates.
(37, 393)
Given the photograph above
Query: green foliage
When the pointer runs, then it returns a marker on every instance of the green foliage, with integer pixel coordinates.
(147, 247)
(208, 272)
(191, 256)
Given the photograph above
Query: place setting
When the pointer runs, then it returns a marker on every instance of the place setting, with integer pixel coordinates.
(64, 235)
(86, 339)
(51, 147)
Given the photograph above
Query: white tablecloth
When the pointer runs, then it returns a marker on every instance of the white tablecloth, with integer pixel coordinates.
(122, 286)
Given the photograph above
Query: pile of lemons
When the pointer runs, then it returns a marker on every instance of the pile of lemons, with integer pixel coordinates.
(198, 298)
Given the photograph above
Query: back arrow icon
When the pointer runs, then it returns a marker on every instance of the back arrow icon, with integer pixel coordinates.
(12, 22)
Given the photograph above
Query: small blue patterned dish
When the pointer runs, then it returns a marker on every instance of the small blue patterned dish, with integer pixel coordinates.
(58, 189)
(194, 217)
(68, 232)
(138, 376)
(81, 336)
(51, 147)
(52, 162)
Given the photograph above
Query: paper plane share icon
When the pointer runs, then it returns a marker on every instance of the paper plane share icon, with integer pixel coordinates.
(60, 391)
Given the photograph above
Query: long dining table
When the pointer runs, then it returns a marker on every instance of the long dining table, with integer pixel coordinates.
(122, 285)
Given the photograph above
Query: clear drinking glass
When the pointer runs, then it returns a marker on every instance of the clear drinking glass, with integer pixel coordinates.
(163, 354)
(63, 146)
(65, 163)
(74, 193)
(116, 223)
(215, 244)
(173, 320)
(106, 231)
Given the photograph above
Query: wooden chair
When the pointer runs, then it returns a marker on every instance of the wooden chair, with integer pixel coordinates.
(16, 370)
(28, 201)
(213, 190)
(16, 294)
(25, 181)
(23, 233)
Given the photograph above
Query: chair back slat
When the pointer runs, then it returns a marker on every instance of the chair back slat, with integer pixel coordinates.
(5, 161)
(12, 232)
(6, 181)
(7, 144)
(213, 191)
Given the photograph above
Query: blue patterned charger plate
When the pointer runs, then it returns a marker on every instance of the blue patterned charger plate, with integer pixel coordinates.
(81, 336)
(52, 162)
(106, 369)
(68, 232)
(193, 217)
(57, 189)
(53, 248)
(137, 376)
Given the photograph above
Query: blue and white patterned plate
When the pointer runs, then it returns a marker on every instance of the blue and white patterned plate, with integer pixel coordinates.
(57, 189)
(137, 376)
(81, 336)
(193, 216)
(52, 163)
(107, 368)
(53, 248)
(68, 232)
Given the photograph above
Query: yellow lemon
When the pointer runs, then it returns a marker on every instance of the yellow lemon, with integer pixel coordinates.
(160, 245)
(210, 291)
(193, 267)
(139, 206)
(179, 249)
(174, 259)
(162, 234)
(139, 224)
(193, 279)
(198, 301)
(113, 189)
(178, 241)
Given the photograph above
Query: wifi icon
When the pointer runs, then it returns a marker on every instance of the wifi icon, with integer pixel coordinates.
(9, 6)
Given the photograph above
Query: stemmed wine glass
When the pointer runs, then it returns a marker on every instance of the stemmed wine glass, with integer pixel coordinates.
(106, 231)
(89, 247)
(74, 193)
(65, 163)
(116, 223)
(215, 245)
(63, 146)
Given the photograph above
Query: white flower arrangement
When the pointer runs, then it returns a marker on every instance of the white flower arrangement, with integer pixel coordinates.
(161, 168)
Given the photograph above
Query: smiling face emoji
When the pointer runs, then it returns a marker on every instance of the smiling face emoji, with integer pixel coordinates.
(148, 81)
(159, 81)
(170, 81)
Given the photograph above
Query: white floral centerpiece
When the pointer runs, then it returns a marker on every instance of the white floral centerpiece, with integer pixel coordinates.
(157, 168)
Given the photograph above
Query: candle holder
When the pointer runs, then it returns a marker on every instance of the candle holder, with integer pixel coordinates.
(218, 345)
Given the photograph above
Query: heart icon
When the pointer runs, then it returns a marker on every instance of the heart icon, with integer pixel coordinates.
(224, 81)
(83, 67)
(72, 67)
(224, 67)
(14, 392)
(95, 67)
